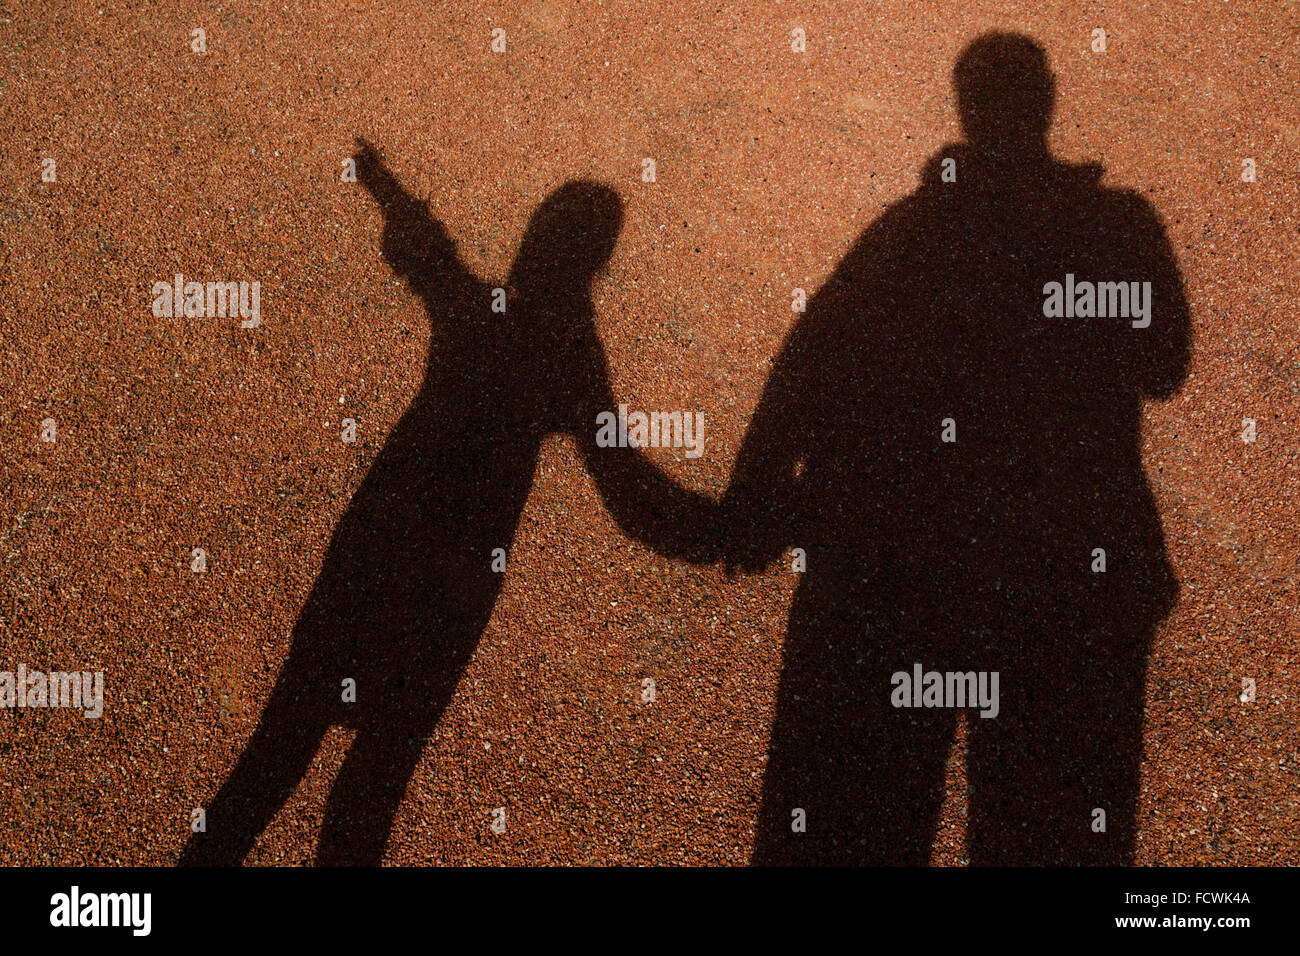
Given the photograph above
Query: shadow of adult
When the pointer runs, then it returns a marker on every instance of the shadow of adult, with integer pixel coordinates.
(408, 584)
(982, 552)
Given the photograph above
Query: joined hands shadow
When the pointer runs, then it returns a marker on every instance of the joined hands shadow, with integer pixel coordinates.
(973, 555)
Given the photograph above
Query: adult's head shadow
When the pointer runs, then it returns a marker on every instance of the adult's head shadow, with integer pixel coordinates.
(964, 474)
(414, 566)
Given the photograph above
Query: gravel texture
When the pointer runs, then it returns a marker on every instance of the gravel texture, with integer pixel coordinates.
(192, 432)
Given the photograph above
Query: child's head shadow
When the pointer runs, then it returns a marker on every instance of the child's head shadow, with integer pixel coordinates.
(556, 355)
(570, 239)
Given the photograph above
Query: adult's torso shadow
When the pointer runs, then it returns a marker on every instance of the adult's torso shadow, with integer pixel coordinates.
(407, 585)
(971, 555)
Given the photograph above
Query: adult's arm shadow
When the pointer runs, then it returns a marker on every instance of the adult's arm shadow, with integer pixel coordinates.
(770, 502)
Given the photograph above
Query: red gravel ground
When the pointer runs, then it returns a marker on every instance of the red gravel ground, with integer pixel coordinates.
(177, 433)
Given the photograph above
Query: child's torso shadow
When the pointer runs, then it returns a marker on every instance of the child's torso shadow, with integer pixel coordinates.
(408, 583)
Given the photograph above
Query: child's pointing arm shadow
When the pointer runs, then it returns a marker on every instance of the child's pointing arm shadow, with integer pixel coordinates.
(416, 246)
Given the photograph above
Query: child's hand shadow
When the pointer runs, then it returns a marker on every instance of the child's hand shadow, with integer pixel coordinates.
(416, 246)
